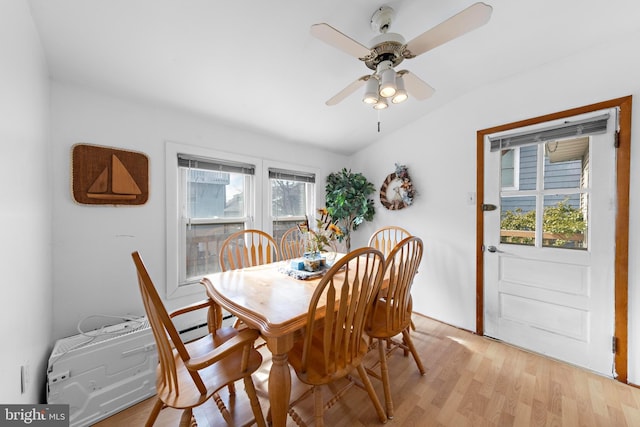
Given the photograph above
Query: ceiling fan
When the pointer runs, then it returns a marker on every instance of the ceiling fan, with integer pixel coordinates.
(389, 49)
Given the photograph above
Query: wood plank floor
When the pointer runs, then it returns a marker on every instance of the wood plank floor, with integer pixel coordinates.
(470, 381)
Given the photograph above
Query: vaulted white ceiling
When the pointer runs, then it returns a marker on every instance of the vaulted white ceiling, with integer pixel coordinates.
(254, 64)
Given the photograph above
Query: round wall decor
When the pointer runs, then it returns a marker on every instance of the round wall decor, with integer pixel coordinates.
(397, 191)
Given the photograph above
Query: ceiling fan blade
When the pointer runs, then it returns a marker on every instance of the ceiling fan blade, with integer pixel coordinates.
(335, 38)
(416, 86)
(469, 19)
(347, 90)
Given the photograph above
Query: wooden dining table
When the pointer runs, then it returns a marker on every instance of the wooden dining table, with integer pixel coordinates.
(269, 300)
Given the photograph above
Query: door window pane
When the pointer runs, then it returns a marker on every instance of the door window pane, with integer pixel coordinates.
(518, 220)
(507, 164)
(566, 164)
(528, 167)
(565, 221)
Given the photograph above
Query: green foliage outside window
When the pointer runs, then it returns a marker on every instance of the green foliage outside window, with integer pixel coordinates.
(563, 225)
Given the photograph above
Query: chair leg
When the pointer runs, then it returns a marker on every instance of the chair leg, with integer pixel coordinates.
(154, 412)
(384, 374)
(407, 339)
(223, 409)
(372, 393)
(255, 403)
(187, 420)
(318, 406)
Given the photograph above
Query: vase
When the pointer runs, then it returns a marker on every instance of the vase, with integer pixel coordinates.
(330, 252)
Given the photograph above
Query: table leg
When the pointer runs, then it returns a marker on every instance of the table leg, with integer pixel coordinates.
(279, 389)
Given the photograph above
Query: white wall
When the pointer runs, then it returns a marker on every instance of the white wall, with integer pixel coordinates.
(440, 151)
(93, 271)
(25, 216)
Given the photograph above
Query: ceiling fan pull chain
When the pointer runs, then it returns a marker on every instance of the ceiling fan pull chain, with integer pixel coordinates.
(378, 121)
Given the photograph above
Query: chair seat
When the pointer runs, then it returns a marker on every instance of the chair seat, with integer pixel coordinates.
(315, 373)
(215, 376)
(379, 327)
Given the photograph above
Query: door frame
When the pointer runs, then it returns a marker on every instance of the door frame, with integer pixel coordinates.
(621, 261)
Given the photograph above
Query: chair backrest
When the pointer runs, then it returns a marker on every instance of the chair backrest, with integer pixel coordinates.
(386, 238)
(164, 332)
(247, 248)
(347, 292)
(401, 266)
(292, 244)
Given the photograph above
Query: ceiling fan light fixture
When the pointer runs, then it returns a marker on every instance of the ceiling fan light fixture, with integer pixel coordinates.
(381, 104)
(388, 83)
(371, 91)
(401, 93)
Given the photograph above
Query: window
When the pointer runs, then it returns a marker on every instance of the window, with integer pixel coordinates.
(548, 204)
(213, 195)
(562, 189)
(292, 199)
(216, 198)
(209, 196)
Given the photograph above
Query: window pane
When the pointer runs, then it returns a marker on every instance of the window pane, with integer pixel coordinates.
(203, 246)
(565, 221)
(213, 194)
(528, 167)
(507, 169)
(518, 220)
(289, 198)
(565, 163)
(279, 227)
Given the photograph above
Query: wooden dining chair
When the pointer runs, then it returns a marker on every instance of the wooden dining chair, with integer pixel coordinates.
(247, 248)
(334, 343)
(386, 238)
(391, 314)
(189, 374)
(292, 244)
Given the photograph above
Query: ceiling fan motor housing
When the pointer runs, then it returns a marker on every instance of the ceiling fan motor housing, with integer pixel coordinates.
(385, 47)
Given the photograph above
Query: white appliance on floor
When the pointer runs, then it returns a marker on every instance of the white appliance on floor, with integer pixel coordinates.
(101, 375)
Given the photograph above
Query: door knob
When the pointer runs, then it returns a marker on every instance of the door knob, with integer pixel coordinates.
(492, 249)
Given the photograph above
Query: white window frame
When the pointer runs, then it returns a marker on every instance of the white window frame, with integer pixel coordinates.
(175, 238)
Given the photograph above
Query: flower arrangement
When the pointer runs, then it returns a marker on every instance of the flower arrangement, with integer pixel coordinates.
(322, 238)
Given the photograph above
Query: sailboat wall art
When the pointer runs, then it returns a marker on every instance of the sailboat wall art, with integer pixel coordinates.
(109, 176)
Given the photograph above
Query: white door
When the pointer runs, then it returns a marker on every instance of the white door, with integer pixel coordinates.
(549, 277)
